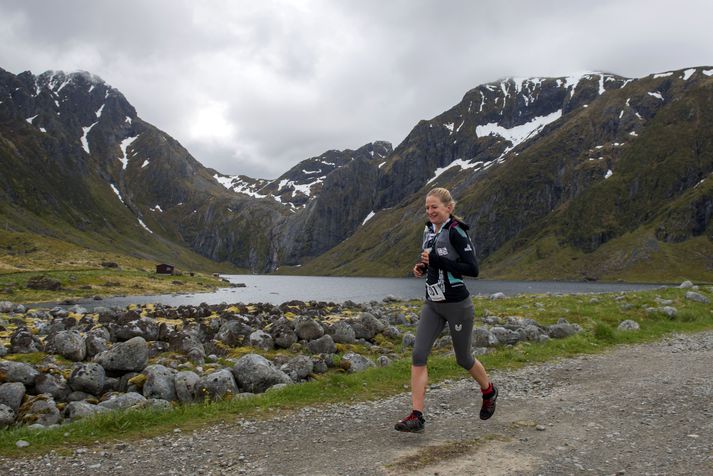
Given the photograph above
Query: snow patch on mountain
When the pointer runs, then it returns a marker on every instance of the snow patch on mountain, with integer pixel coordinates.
(518, 134)
(85, 142)
(124, 145)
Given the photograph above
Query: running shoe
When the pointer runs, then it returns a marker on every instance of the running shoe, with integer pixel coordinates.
(411, 424)
(488, 408)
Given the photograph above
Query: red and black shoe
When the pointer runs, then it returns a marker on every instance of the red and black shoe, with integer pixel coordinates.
(413, 423)
(489, 400)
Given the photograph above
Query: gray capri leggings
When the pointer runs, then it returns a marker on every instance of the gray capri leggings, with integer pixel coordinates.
(434, 315)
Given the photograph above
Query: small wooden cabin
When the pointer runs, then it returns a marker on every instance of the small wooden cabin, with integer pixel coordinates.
(164, 268)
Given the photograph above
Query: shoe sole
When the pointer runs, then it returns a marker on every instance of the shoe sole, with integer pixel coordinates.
(420, 430)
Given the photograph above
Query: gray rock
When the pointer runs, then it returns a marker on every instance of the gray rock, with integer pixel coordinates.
(299, 367)
(18, 372)
(40, 409)
(11, 394)
(497, 296)
(383, 361)
(663, 302)
(87, 377)
(77, 410)
(697, 297)
(262, 340)
(408, 340)
(122, 401)
(6, 306)
(530, 333)
(68, 344)
(356, 362)
(7, 416)
(158, 404)
(95, 345)
(322, 345)
(145, 327)
(79, 396)
(505, 336)
(217, 385)
(55, 385)
(132, 355)
(686, 284)
(256, 374)
(308, 329)
(160, 383)
(628, 325)
(22, 341)
(561, 330)
(186, 384)
(482, 337)
(443, 342)
(233, 333)
(22, 443)
(366, 326)
(3, 350)
(391, 332)
(283, 333)
(343, 333)
(189, 343)
(670, 311)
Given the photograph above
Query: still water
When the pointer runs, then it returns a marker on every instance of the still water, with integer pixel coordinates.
(279, 289)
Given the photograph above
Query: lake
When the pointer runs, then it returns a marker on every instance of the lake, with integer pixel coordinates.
(279, 289)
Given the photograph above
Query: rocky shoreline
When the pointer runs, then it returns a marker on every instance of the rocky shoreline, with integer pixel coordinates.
(159, 356)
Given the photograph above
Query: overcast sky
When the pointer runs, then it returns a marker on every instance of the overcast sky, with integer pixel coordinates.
(253, 87)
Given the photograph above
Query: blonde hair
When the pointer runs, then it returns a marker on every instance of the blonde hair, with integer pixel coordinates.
(445, 198)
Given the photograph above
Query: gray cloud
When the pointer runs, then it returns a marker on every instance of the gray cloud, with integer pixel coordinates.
(255, 87)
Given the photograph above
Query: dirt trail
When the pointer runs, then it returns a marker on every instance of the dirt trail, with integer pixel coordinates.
(645, 409)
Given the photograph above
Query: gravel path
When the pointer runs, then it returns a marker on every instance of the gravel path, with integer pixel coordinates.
(645, 409)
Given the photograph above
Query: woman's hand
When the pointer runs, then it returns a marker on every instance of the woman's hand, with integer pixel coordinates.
(424, 256)
(419, 269)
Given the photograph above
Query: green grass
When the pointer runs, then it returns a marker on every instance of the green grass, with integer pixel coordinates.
(598, 315)
(86, 283)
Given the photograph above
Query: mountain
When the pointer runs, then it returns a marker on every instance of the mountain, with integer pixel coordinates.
(594, 176)
(591, 176)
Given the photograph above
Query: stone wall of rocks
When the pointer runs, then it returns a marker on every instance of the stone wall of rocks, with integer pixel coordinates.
(159, 356)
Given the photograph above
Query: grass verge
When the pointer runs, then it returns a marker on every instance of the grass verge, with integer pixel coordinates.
(598, 315)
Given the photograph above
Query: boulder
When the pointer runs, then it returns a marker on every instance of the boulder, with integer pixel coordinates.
(299, 367)
(343, 333)
(122, 401)
(96, 344)
(408, 340)
(43, 283)
(482, 337)
(505, 336)
(697, 297)
(132, 355)
(256, 374)
(353, 362)
(308, 329)
(628, 325)
(218, 385)
(262, 340)
(22, 341)
(561, 330)
(54, 385)
(160, 383)
(11, 394)
(187, 342)
(391, 332)
(17, 372)
(670, 311)
(383, 361)
(530, 333)
(233, 333)
(145, 327)
(6, 306)
(366, 326)
(87, 377)
(77, 410)
(686, 285)
(322, 345)
(186, 384)
(495, 296)
(40, 409)
(7, 416)
(283, 333)
(68, 344)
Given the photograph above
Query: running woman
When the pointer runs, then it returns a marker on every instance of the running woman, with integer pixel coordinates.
(447, 255)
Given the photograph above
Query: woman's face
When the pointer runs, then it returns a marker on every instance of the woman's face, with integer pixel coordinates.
(437, 211)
